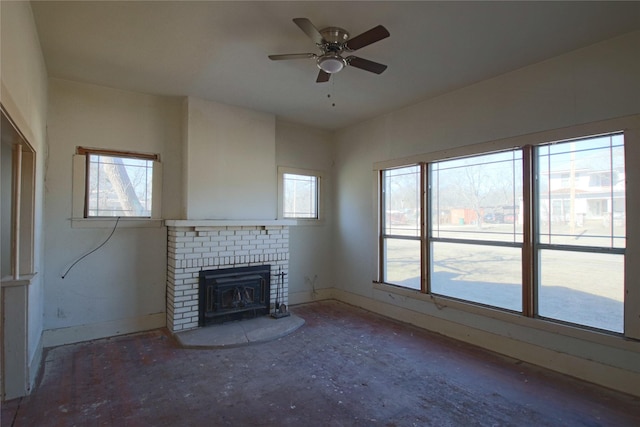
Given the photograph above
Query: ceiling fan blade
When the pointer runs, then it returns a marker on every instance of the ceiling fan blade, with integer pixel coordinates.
(292, 56)
(323, 77)
(309, 29)
(373, 35)
(365, 64)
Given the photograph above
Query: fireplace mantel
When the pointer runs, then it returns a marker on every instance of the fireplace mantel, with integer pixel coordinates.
(228, 222)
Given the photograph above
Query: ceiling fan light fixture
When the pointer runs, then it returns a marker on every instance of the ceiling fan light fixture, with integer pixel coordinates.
(331, 63)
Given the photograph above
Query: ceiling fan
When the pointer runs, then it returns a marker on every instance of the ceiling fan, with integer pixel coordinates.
(333, 42)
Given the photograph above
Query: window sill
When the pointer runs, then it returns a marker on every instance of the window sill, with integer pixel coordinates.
(442, 303)
(306, 221)
(110, 222)
(22, 280)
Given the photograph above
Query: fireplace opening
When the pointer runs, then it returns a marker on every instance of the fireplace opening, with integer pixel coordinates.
(233, 293)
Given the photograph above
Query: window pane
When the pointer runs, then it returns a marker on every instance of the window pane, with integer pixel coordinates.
(300, 196)
(478, 198)
(582, 288)
(402, 262)
(402, 201)
(489, 275)
(119, 186)
(581, 192)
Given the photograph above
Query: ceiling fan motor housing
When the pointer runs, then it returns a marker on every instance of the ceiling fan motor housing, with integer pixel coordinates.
(335, 35)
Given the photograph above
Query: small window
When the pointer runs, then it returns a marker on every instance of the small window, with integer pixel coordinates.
(300, 194)
(118, 184)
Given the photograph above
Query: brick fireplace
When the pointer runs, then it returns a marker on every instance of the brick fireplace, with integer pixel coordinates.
(197, 245)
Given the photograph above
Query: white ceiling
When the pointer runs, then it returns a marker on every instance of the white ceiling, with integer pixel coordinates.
(218, 50)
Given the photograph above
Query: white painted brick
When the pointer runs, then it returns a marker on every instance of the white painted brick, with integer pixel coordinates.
(183, 250)
(183, 288)
(201, 250)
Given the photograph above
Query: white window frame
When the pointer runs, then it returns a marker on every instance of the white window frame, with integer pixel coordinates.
(282, 170)
(79, 185)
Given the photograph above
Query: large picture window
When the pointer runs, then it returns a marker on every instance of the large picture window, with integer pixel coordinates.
(538, 230)
(476, 229)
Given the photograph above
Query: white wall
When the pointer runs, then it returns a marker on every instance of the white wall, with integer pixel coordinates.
(310, 242)
(229, 161)
(121, 287)
(592, 84)
(23, 81)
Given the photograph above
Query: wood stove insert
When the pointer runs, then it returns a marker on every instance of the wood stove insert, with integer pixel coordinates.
(233, 293)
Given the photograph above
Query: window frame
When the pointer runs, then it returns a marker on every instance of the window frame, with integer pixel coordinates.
(80, 188)
(515, 244)
(384, 237)
(22, 187)
(630, 128)
(319, 175)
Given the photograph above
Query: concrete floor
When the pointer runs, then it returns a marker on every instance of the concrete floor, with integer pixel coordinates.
(344, 367)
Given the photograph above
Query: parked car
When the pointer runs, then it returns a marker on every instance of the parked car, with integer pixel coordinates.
(494, 218)
(397, 217)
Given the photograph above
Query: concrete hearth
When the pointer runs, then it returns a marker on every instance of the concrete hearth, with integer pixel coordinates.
(239, 333)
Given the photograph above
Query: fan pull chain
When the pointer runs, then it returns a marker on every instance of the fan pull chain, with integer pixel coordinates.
(333, 104)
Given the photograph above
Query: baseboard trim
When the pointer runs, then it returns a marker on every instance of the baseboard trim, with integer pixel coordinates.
(310, 296)
(75, 334)
(35, 364)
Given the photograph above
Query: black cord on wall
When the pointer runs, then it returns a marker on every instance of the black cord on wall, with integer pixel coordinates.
(90, 252)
